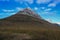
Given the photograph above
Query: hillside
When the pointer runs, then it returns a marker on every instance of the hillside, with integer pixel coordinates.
(28, 25)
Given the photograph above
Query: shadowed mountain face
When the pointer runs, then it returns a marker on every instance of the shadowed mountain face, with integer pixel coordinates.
(26, 18)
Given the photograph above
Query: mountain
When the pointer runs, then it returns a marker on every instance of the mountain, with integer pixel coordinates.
(26, 17)
(28, 25)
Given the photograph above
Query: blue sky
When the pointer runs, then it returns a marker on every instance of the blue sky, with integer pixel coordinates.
(47, 9)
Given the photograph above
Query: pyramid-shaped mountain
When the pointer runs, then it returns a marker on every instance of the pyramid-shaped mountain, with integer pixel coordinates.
(25, 17)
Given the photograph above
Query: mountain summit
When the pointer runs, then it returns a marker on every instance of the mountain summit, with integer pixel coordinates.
(29, 12)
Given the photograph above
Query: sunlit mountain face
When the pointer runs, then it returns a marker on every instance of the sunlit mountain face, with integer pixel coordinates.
(47, 9)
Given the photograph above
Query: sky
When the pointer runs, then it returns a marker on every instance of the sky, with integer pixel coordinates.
(47, 9)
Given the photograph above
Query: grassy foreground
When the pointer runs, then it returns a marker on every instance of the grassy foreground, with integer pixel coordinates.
(28, 33)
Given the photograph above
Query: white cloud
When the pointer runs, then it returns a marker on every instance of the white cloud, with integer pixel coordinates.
(58, 23)
(12, 10)
(18, 8)
(5, 10)
(42, 7)
(49, 20)
(56, 1)
(19, 1)
(52, 5)
(46, 13)
(52, 13)
(47, 1)
(48, 9)
(22, 1)
(29, 1)
(27, 5)
(12, 13)
(35, 8)
(43, 1)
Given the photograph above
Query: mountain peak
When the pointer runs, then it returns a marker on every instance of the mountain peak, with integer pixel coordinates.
(29, 12)
(27, 9)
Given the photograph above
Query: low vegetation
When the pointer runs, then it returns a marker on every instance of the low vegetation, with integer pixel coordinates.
(31, 33)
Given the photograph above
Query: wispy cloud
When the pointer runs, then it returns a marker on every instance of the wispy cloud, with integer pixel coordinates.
(43, 8)
(48, 9)
(12, 10)
(18, 8)
(22, 1)
(43, 1)
(58, 23)
(56, 1)
(29, 1)
(48, 12)
(52, 5)
(8, 11)
(49, 20)
(13, 13)
(19, 1)
(35, 8)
